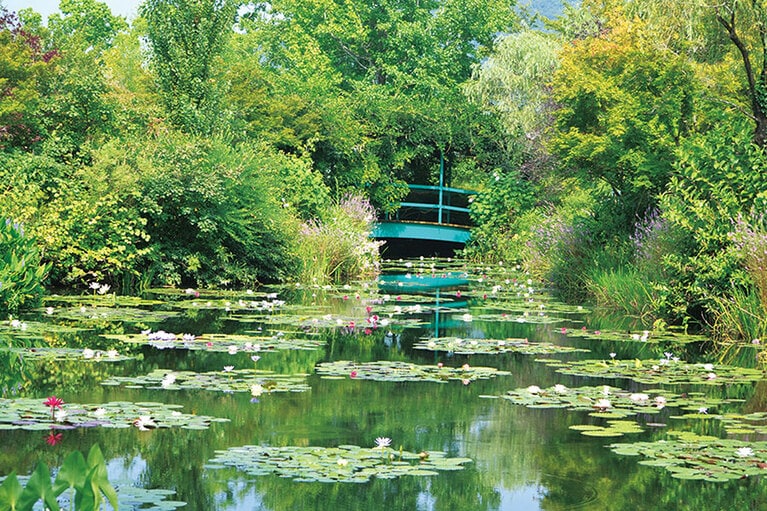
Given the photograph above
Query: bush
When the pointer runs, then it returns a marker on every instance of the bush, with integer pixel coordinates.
(213, 212)
(339, 249)
(21, 273)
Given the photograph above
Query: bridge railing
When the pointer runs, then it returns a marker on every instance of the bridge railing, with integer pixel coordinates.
(435, 204)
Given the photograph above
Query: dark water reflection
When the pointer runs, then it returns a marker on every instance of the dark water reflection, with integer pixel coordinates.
(523, 459)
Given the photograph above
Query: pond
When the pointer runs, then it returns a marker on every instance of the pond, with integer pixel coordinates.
(441, 386)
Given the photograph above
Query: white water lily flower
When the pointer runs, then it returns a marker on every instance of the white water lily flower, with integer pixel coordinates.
(534, 389)
(638, 397)
(382, 442)
(144, 423)
(60, 415)
(256, 390)
(88, 353)
(603, 404)
(342, 462)
(744, 452)
(560, 389)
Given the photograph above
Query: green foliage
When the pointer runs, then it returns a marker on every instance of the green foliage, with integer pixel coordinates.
(186, 38)
(719, 175)
(21, 274)
(89, 21)
(624, 107)
(371, 92)
(86, 481)
(23, 64)
(496, 212)
(622, 288)
(214, 216)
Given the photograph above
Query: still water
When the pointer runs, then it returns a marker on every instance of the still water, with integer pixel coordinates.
(523, 459)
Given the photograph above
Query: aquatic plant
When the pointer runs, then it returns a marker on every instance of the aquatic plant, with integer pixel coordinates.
(345, 463)
(21, 274)
(86, 480)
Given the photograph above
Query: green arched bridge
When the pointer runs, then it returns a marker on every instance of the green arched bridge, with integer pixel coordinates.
(430, 213)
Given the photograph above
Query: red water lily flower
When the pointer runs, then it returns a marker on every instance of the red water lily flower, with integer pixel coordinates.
(53, 438)
(54, 402)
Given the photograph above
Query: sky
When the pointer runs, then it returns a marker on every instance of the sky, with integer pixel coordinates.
(125, 8)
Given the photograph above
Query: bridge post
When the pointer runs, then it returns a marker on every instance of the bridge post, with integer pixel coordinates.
(441, 184)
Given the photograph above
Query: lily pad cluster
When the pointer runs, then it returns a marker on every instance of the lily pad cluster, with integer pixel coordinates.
(34, 415)
(345, 463)
(607, 401)
(644, 336)
(69, 354)
(666, 371)
(404, 371)
(614, 428)
(222, 343)
(102, 312)
(492, 346)
(697, 457)
(227, 380)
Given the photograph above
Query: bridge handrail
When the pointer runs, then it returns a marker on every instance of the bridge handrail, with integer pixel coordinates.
(444, 188)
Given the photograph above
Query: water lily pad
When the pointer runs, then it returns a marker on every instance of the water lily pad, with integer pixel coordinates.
(33, 414)
(346, 463)
(608, 402)
(103, 312)
(665, 370)
(228, 343)
(71, 354)
(404, 371)
(706, 458)
(643, 336)
(490, 346)
(227, 380)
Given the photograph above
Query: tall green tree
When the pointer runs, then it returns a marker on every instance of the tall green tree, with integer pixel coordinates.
(624, 107)
(398, 67)
(185, 38)
(732, 33)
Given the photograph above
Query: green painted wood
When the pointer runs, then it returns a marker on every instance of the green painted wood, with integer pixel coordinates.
(421, 231)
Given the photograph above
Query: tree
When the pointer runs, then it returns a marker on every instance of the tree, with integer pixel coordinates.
(697, 29)
(89, 21)
(23, 65)
(624, 107)
(398, 68)
(186, 37)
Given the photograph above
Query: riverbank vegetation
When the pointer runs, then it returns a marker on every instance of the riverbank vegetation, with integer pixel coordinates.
(618, 151)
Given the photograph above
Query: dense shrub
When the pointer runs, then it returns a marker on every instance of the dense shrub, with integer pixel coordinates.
(21, 273)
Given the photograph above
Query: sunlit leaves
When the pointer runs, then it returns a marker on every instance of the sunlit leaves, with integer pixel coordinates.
(660, 371)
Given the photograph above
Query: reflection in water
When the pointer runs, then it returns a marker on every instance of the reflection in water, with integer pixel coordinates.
(524, 459)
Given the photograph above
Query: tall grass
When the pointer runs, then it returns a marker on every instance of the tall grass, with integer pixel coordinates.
(339, 248)
(743, 314)
(622, 288)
